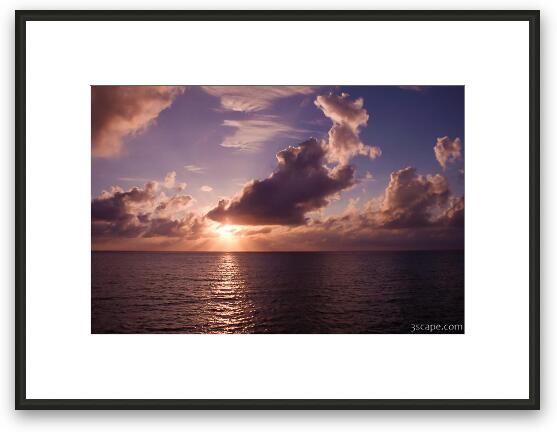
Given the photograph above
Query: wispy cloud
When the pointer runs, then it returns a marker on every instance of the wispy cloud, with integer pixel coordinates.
(206, 188)
(194, 169)
(369, 176)
(252, 133)
(415, 88)
(254, 98)
(133, 179)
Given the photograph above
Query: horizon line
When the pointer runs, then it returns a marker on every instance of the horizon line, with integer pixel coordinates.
(282, 251)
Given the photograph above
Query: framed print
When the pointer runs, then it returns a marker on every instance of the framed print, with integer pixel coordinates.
(266, 210)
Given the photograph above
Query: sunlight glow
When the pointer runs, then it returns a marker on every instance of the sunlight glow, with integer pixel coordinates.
(226, 231)
(227, 238)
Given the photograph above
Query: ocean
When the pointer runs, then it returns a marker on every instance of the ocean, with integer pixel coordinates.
(278, 292)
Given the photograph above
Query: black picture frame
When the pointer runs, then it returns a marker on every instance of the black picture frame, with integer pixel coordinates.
(531, 16)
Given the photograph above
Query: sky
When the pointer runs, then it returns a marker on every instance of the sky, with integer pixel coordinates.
(277, 168)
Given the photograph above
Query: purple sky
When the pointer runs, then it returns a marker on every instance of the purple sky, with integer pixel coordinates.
(277, 168)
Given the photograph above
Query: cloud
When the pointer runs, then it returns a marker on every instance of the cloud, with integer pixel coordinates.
(352, 207)
(346, 234)
(415, 88)
(410, 200)
(348, 117)
(251, 133)
(120, 111)
(190, 227)
(133, 179)
(454, 215)
(170, 180)
(415, 212)
(173, 205)
(206, 188)
(120, 213)
(194, 169)
(114, 203)
(301, 183)
(254, 98)
(142, 212)
(253, 232)
(447, 151)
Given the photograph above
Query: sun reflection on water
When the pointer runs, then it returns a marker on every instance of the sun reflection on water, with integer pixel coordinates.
(231, 309)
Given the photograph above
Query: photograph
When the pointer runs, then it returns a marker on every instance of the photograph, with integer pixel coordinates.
(253, 222)
(277, 209)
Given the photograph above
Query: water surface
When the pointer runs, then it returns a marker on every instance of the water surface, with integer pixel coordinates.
(275, 292)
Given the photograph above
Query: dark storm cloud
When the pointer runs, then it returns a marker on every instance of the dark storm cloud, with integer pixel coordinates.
(118, 111)
(301, 183)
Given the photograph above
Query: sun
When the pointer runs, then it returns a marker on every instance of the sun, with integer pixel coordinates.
(227, 237)
(226, 231)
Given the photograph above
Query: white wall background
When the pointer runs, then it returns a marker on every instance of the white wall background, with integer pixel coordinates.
(245, 421)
